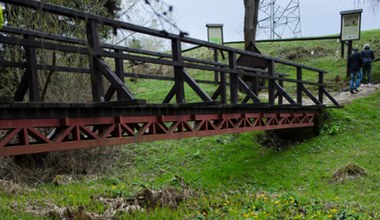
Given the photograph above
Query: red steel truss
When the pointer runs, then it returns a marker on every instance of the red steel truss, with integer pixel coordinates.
(26, 136)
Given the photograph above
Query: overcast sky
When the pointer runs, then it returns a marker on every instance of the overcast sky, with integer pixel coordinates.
(318, 17)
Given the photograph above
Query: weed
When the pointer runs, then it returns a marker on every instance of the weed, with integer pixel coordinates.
(348, 172)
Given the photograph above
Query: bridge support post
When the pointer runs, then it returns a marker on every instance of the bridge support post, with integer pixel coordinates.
(271, 83)
(280, 96)
(92, 31)
(29, 80)
(299, 86)
(320, 88)
(233, 77)
(178, 71)
(216, 73)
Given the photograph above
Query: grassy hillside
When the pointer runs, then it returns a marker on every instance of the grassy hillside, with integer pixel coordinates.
(324, 54)
(332, 176)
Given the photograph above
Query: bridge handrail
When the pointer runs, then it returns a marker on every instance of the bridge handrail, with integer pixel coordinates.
(72, 13)
(175, 59)
(221, 67)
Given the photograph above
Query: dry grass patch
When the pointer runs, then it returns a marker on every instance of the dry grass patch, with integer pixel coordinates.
(348, 172)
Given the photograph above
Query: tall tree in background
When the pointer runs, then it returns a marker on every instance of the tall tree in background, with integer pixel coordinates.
(250, 21)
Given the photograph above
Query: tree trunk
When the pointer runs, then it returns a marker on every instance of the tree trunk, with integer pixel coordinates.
(250, 21)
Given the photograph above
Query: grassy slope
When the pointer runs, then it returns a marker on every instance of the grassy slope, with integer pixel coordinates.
(235, 178)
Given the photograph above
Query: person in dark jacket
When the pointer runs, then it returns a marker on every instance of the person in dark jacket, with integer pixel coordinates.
(367, 56)
(355, 63)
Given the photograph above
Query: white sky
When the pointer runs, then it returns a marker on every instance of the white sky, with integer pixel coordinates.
(318, 17)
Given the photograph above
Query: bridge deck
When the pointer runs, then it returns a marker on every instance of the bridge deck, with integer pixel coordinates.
(26, 129)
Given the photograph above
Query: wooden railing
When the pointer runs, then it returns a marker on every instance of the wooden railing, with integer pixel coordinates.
(229, 86)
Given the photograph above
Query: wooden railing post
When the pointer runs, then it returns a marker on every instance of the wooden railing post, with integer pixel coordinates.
(299, 85)
(92, 31)
(32, 72)
(119, 67)
(178, 78)
(320, 88)
(216, 73)
(223, 87)
(233, 76)
(271, 82)
(280, 96)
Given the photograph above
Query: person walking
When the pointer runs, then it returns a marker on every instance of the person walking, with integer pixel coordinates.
(367, 56)
(355, 63)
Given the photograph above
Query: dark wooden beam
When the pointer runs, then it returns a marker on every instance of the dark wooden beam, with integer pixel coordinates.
(92, 31)
(32, 73)
(271, 83)
(22, 88)
(115, 81)
(299, 85)
(233, 78)
(191, 82)
(178, 71)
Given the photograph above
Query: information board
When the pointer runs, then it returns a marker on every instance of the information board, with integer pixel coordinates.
(350, 25)
(215, 33)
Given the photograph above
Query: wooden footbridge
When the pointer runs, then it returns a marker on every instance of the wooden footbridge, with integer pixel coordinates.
(115, 115)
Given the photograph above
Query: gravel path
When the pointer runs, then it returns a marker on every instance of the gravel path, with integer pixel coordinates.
(365, 90)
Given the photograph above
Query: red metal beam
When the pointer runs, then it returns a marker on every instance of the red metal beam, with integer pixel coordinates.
(29, 136)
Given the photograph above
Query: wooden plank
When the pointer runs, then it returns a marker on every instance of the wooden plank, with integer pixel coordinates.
(32, 73)
(170, 95)
(202, 94)
(22, 88)
(116, 82)
(282, 93)
(246, 89)
(310, 95)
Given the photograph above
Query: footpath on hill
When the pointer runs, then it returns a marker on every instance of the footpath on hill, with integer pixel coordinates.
(345, 97)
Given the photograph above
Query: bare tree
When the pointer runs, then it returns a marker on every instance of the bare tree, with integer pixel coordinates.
(250, 21)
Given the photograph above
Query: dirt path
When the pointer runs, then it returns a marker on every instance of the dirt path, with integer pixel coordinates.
(365, 90)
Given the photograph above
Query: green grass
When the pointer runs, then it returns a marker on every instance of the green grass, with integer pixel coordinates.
(232, 176)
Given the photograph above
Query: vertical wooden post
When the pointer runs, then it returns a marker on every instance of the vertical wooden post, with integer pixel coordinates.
(32, 72)
(281, 84)
(255, 84)
(22, 88)
(271, 82)
(178, 78)
(320, 88)
(216, 73)
(92, 31)
(349, 52)
(299, 85)
(223, 87)
(233, 76)
(119, 67)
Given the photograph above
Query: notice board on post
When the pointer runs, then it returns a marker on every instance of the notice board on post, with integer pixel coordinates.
(215, 33)
(350, 25)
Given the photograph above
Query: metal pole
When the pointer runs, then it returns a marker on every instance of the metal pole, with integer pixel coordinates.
(272, 18)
